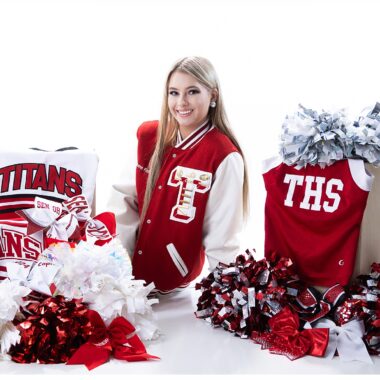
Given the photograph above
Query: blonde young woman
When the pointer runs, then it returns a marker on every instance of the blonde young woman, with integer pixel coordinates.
(191, 187)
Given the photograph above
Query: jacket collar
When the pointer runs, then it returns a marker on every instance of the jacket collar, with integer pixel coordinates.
(195, 137)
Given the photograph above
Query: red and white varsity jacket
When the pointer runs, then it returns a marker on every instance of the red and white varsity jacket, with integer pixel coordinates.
(313, 216)
(196, 207)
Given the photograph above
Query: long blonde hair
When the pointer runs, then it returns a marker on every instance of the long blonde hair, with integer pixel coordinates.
(203, 71)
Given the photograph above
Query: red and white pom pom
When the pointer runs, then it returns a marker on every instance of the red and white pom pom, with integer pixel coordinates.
(102, 277)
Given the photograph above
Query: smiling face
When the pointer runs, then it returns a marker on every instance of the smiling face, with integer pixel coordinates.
(188, 101)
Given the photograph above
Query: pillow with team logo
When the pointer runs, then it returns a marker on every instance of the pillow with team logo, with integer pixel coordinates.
(26, 175)
(56, 175)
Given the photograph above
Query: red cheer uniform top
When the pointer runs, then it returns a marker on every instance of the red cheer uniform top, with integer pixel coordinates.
(313, 215)
(169, 250)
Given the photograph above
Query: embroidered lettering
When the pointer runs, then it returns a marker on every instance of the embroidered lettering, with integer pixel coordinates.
(35, 177)
(189, 181)
(314, 188)
(293, 180)
(14, 244)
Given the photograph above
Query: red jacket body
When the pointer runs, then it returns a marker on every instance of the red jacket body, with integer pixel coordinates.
(169, 249)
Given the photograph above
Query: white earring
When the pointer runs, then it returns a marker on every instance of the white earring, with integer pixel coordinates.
(213, 104)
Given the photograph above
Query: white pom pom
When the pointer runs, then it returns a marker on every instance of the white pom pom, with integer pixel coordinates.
(11, 296)
(102, 276)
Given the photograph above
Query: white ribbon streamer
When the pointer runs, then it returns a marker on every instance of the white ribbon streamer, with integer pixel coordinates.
(12, 297)
(41, 277)
(9, 336)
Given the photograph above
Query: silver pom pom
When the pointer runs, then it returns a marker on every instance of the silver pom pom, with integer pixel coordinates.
(310, 138)
(364, 135)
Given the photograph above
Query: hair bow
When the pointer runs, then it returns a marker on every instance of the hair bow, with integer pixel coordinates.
(119, 339)
(311, 305)
(286, 339)
(346, 340)
(70, 220)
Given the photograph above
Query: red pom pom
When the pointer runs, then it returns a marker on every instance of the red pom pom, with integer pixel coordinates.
(53, 331)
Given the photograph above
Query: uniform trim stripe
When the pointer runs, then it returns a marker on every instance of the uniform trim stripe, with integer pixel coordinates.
(23, 196)
(3, 273)
(20, 222)
(193, 137)
(360, 175)
(30, 197)
(200, 139)
(18, 202)
(270, 163)
(181, 141)
(12, 211)
(16, 259)
(164, 292)
(177, 259)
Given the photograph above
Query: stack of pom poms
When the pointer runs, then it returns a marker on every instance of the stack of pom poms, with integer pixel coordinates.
(243, 296)
(44, 305)
(365, 305)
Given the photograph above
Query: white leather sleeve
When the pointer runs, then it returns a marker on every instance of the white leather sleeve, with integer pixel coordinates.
(224, 212)
(123, 202)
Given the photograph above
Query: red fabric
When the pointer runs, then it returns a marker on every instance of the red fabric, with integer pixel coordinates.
(154, 264)
(118, 339)
(321, 244)
(109, 220)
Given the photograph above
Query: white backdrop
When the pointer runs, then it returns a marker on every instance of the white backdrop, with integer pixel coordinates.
(87, 73)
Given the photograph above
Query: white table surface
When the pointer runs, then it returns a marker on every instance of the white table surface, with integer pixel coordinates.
(191, 346)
